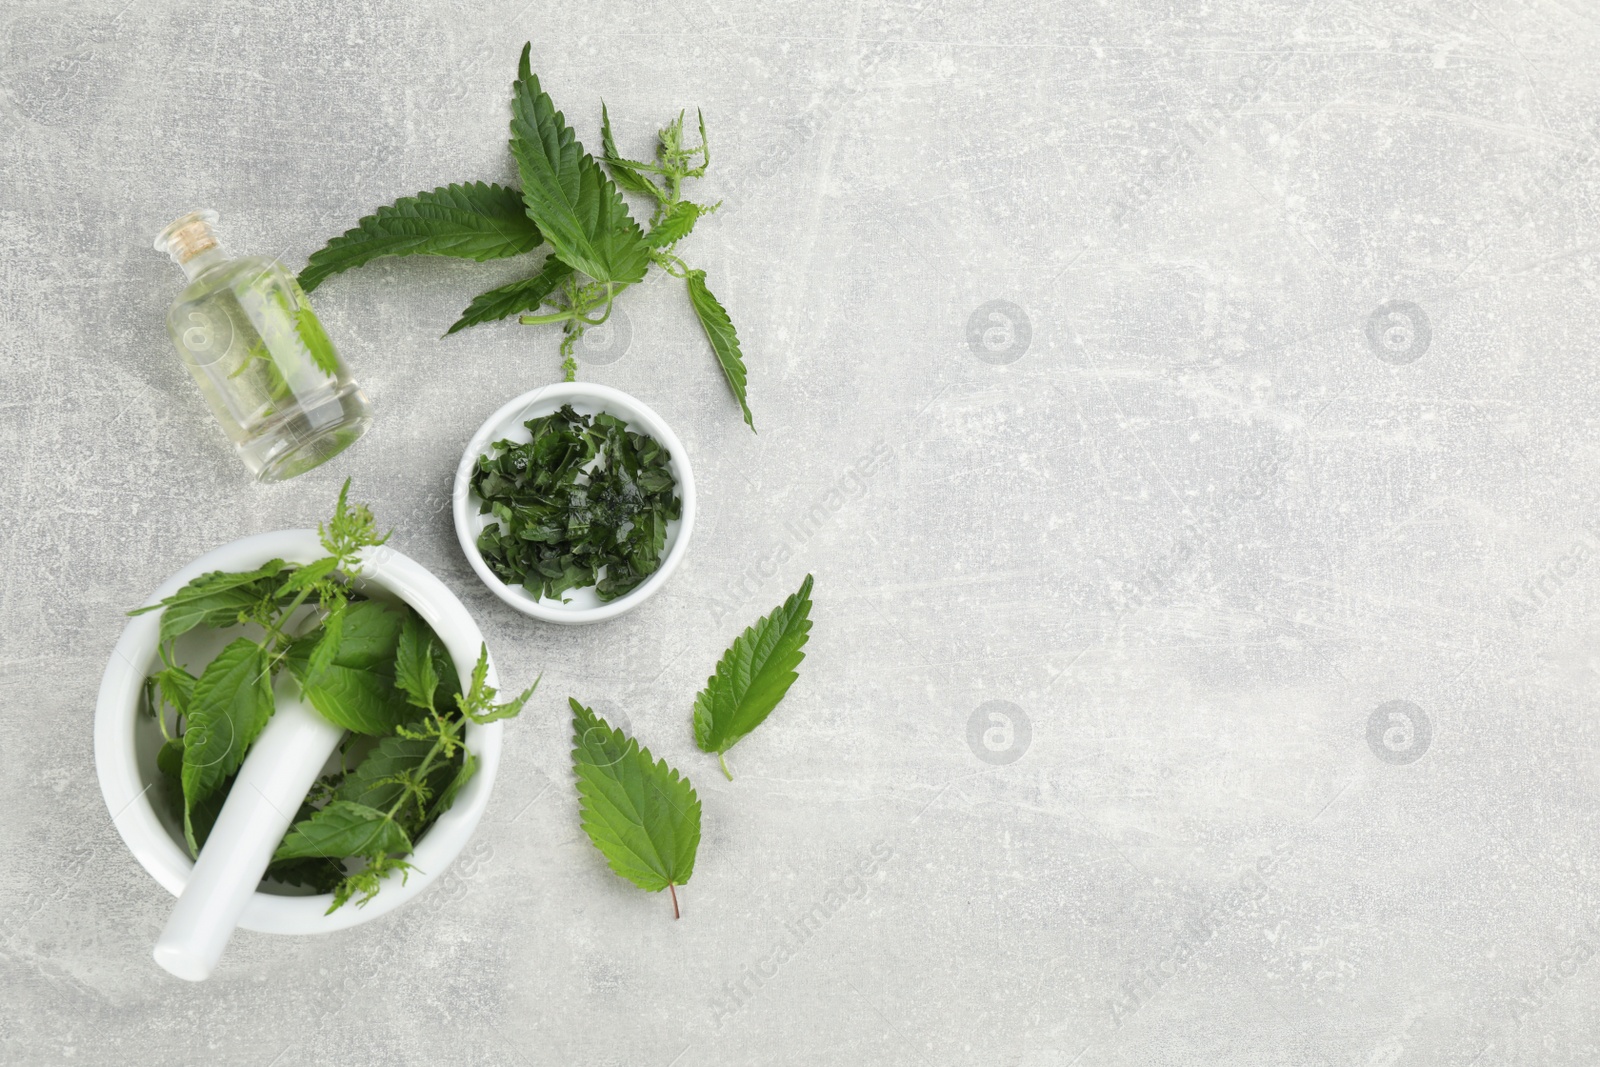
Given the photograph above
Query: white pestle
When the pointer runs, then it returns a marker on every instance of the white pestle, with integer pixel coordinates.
(278, 771)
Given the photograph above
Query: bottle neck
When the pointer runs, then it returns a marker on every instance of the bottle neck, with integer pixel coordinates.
(201, 262)
(192, 243)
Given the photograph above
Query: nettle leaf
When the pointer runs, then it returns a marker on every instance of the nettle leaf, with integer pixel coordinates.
(724, 341)
(447, 796)
(642, 815)
(753, 675)
(219, 609)
(371, 635)
(625, 171)
(375, 780)
(349, 529)
(213, 599)
(359, 700)
(310, 574)
(169, 760)
(674, 226)
(575, 205)
(343, 828)
(230, 705)
(317, 875)
(356, 690)
(477, 221)
(327, 646)
(314, 337)
(478, 702)
(198, 820)
(175, 686)
(415, 670)
(514, 298)
(213, 582)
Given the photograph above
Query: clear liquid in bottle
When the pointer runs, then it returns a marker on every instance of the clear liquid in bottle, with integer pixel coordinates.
(247, 333)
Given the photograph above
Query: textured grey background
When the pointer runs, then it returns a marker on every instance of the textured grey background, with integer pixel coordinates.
(1196, 508)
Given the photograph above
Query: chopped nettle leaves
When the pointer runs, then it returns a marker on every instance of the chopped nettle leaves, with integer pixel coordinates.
(584, 502)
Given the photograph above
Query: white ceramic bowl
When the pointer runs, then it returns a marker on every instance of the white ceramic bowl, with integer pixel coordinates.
(125, 741)
(582, 605)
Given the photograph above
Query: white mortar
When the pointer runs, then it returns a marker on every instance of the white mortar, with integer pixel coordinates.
(128, 773)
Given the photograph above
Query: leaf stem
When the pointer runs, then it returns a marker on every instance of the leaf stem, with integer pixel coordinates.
(159, 706)
(668, 261)
(674, 891)
(555, 316)
(724, 763)
(581, 317)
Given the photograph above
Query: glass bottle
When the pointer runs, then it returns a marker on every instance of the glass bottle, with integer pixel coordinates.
(247, 333)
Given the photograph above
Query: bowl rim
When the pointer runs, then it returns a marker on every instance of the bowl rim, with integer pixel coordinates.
(509, 417)
(126, 792)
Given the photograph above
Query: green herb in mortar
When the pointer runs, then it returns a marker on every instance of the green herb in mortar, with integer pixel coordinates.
(374, 669)
(585, 502)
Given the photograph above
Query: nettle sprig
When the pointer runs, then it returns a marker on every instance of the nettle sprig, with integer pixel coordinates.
(218, 714)
(375, 669)
(403, 770)
(567, 200)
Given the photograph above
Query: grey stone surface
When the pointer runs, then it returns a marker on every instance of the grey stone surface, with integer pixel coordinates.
(1262, 508)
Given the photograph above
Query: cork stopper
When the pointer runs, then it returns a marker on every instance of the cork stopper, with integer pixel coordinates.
(189, 237)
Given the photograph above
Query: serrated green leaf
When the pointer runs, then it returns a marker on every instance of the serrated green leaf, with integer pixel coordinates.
(642, 815)
(477, 221)
(327, 647)
(623, 170)
(174, 686)
(449, 694)
(724, 341)
(198, 820)
(509, 710)
(232, 701)
(219, 609)
(515, 298)
(447, 796)
(169, 760)
(674, 226)
(213, 582)
(576, 207)
(356, 689)
(317, 875)
(371, 634)
(343, 828)
(314, 337)
(373, 783)
(357, 699)
(753, 675)
(414, 671)
(309, 574)
(477, 703)
(213, 599)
